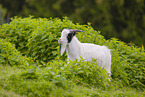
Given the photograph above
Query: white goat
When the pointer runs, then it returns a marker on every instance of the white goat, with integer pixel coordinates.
(74, 49)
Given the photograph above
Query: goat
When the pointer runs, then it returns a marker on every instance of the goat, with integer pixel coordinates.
(75, 49)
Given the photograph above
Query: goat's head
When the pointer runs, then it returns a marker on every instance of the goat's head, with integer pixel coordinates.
(66, 37)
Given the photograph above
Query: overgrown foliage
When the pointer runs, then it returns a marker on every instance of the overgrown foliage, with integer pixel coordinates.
(30, 46)
(123, 19)
(9, 55)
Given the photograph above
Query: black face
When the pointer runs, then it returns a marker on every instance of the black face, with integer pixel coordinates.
(70, 36)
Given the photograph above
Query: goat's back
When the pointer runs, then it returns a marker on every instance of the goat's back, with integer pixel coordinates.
(100, 53)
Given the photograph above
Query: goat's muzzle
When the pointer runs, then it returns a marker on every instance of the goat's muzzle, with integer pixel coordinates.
(59, 41)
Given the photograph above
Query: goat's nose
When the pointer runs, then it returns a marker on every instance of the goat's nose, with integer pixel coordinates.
(59, 41)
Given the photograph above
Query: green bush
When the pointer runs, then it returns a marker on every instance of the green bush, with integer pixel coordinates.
(87, 73)
(128, 63)
(18, 32)
(37, 39)
(9, 55)
(37, 81)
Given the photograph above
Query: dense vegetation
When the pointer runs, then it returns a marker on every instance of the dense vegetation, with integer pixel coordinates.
(31, 65)
(123, 19)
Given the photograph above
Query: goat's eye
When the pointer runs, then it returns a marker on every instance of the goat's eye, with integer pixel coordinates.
(68, 36)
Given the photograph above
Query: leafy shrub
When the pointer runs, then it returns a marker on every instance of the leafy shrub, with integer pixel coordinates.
(38, 81)
(128, 63)
(17, 32)
(87, 73)
(37, 38)
(9, 55)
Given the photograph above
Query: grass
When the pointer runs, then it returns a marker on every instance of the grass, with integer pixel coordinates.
(5, 93)
(75, 91)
